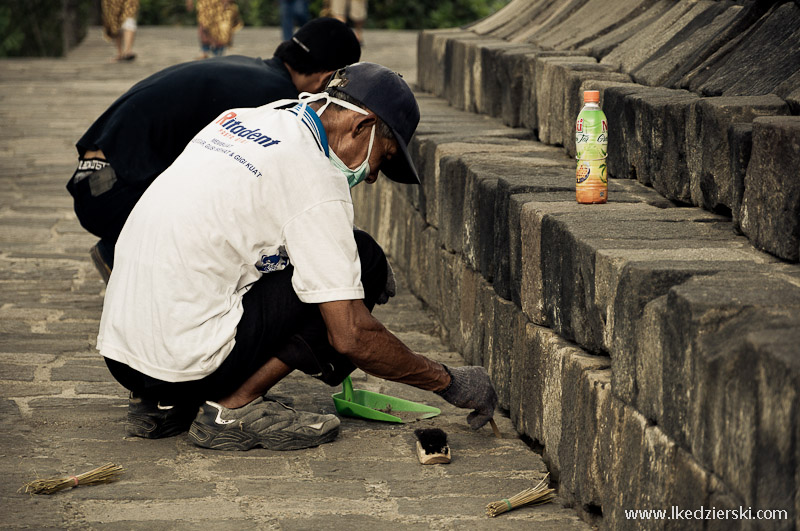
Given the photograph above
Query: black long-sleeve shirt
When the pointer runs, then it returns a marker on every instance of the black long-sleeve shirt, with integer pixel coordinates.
(146, 128)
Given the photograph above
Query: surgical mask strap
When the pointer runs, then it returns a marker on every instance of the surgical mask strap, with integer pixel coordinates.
(307, 97)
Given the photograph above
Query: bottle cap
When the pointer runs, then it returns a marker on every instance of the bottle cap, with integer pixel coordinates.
(591, 96)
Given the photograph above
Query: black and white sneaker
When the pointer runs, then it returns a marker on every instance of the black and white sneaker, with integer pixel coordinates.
(263, 422)
(154, 420)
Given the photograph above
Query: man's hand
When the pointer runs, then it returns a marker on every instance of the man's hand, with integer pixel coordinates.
(471, 388)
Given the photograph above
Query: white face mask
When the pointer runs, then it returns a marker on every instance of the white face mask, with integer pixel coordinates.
(354, 176)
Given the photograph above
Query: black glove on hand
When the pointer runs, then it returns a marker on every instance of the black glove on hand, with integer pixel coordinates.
(471, 388)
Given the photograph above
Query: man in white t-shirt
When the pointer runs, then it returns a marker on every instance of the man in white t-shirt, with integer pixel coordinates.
(240, 264)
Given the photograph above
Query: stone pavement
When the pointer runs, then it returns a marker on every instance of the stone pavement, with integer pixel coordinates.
(63, 414)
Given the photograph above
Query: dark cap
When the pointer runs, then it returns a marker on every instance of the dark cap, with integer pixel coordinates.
(321, 45)
(386, 94)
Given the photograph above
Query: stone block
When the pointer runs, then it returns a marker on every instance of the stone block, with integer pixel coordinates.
(638, 369)
(572, 290)
(480, 194)
(550, 75)
(778, 385)
(595, 396)
(484, 312)
(451, 274)
(639, 48)
(454, 160)
(740, 140)
(582, 377)
(709, 152)
(509, 325)
(460, 56)
(639, 19)
(529, 115)
(727, 337)
(709, 27)
(515, 12)
(451, 202)
(499, 80)
(412, 257)
(754, 64)
(624, 469)
(770, 211)
(468, 339)
(541, 171)
(540, 20)
(658, 149)
(511, 80)
(431, 46)
(589, 21)
(429, 261)
(622, 128)
(533, 255)
(528, 379)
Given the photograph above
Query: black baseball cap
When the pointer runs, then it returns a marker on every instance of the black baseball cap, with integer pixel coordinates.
(321, 45)
(385, 93)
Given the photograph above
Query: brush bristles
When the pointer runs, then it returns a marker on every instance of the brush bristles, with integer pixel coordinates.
(104, 474)
(536, 496)
(432, 440)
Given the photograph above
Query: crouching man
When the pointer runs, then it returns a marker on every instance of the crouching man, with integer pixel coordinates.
(240, 264)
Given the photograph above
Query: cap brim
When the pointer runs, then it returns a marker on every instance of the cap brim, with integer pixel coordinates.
(400, 169)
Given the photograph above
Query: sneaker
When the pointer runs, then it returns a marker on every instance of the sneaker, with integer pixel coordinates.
(102, 259)
(153, 420)
(263, 422)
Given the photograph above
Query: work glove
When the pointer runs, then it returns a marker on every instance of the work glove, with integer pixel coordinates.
(390, 288)
(471, 388)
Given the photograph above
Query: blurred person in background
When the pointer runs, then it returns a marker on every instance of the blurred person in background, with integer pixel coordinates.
(355, 10)
(119, 26)
(294, 13)
(217, 21)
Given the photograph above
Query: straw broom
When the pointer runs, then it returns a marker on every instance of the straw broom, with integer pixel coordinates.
(104, 474)
(538, 495)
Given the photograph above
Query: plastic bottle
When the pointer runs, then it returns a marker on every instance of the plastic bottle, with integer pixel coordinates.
(591, 144)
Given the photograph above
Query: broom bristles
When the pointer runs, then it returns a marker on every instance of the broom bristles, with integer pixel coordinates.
(104, 474)
(535, 496)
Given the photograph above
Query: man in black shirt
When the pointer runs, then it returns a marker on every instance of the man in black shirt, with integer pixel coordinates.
(145, 130)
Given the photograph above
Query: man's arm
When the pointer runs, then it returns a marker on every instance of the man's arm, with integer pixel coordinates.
(354, 332)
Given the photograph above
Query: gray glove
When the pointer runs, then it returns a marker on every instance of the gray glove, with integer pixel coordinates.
(471, 388)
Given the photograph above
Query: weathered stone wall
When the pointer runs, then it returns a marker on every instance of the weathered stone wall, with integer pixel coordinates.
(648, 344)
(680, 82)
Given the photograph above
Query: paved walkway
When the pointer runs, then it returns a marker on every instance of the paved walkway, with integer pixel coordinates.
(63, 414)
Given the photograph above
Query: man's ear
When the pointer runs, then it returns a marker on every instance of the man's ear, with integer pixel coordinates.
(363, 122)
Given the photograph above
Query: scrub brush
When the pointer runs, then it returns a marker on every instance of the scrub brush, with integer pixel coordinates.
(432, 446)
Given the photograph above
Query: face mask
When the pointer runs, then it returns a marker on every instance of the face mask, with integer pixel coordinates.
(354, 176)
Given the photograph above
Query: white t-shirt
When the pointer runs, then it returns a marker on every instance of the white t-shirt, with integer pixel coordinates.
(253, 191)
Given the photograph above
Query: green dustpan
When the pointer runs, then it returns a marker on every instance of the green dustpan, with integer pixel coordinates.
(374, 406)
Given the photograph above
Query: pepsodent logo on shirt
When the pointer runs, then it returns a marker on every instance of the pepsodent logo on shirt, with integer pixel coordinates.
(236, 129)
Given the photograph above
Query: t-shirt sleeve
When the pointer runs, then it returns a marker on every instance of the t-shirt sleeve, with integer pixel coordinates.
(323, 251)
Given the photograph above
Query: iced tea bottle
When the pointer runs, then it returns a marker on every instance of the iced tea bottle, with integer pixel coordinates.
(591, 143)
